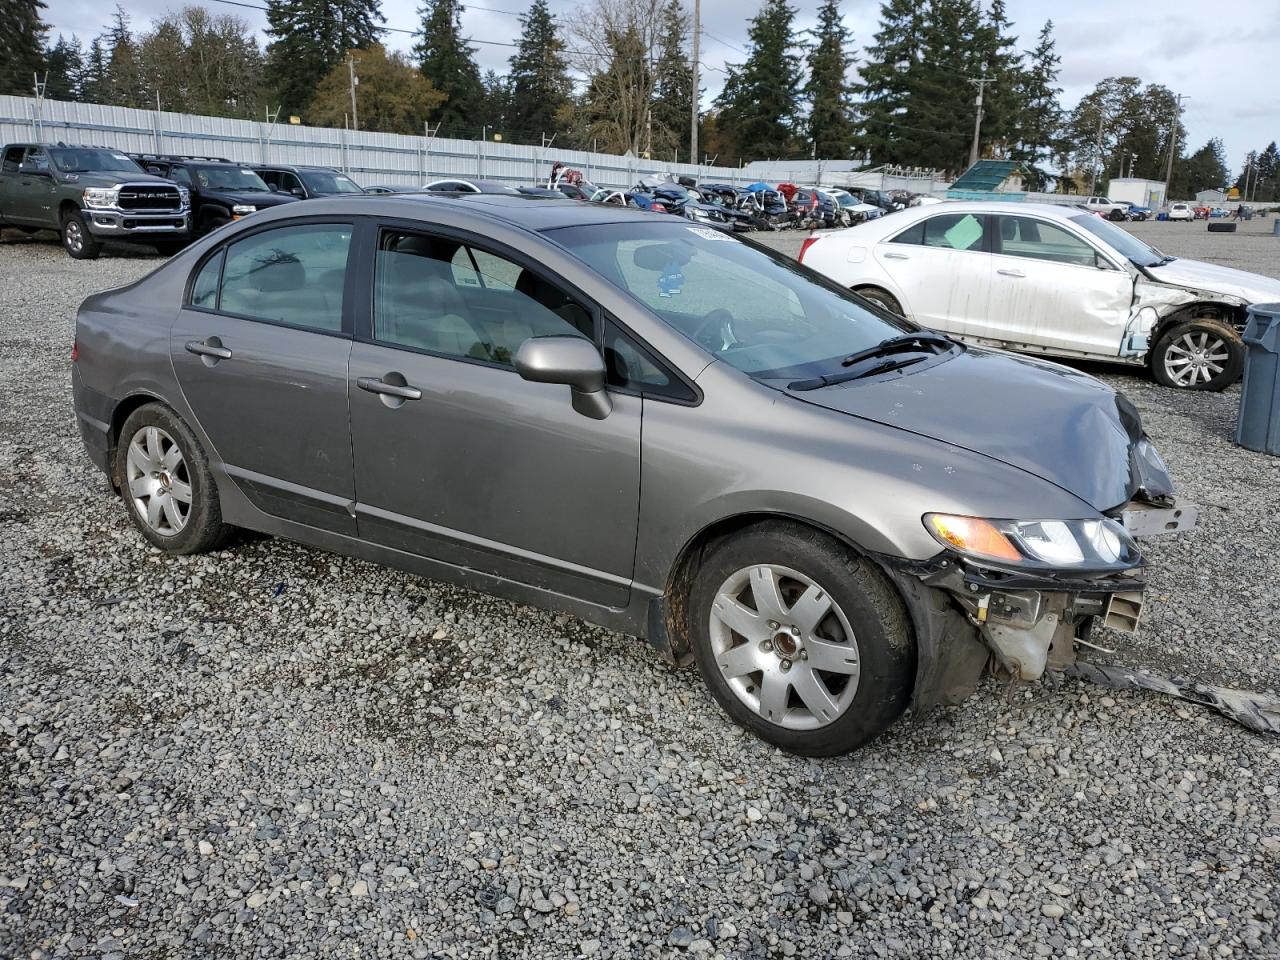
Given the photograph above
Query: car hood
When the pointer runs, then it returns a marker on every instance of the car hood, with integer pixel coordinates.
(111, 179)
(249, 198)
(1056, 423)
(1198, 275)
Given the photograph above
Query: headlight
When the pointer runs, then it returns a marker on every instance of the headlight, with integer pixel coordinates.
(697, 214)
(243, 209)
(1078, 544)
(101, 196)
(185, 194)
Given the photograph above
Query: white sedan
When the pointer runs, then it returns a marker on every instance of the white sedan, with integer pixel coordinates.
(1049, 280)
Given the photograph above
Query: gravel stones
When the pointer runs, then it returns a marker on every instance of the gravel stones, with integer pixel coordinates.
(206, 766)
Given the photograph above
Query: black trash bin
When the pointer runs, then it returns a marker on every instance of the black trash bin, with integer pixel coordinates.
(1258, 423)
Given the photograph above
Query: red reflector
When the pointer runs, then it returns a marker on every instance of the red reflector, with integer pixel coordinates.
(75, 351)
(808, 242)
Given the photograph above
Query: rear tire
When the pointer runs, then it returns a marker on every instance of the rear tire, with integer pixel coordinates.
(881, 298)
(1198, 355)
(802, 642)
(165, 482)
(79, 243)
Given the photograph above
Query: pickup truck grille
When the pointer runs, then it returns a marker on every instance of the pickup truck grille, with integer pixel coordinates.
(149, 197)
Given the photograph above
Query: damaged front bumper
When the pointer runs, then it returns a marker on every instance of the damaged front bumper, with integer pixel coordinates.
(967, 613)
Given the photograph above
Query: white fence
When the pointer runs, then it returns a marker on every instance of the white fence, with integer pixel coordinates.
(371, 158)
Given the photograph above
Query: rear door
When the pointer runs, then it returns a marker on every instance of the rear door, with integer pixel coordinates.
(459, 459)
(1052, 288)
(261, 351)
(942, 267)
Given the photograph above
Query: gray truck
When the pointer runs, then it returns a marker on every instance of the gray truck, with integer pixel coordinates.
(90, 195)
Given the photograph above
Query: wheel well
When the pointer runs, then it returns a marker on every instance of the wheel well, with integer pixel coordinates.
(1230, 316)
(690, 557)
(118, 416)
(65, 208)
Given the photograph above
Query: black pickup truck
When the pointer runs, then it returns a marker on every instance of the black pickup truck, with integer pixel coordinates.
(89, 195)
(221, 191)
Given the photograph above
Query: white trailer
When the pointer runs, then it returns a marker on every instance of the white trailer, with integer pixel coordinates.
(1137, 191)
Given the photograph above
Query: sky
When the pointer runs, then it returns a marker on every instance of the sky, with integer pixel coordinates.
(1227, 70)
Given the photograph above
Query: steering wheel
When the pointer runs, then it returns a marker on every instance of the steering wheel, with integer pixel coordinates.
(716, 331)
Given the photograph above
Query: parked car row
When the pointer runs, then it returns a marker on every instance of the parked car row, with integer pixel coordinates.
(844, 514)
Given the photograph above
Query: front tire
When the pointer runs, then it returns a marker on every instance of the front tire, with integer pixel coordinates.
(79, 243)
(802, 642)
(166, 484)
(1198, 355)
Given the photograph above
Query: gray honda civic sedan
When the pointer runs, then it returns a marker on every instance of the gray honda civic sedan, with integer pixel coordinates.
(657, 427)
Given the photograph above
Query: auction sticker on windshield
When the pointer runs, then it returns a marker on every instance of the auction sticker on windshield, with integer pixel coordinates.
(708, 234)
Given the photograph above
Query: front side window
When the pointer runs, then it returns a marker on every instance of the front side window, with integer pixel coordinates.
(293, 275)
(437, 294)
(757, 311)
(1038, 240)
(36, 157)
(953, 231)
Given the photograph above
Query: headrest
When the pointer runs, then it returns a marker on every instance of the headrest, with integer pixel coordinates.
(656, 256)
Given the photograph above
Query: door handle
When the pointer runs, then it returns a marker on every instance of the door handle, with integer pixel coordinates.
(209, 348)
(1011, 273)
(401, 391)
(896, 256)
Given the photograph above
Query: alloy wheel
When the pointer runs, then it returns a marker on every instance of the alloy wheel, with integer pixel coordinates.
(75, 237)
(1196, 357)
(784, 647)
(159, 482)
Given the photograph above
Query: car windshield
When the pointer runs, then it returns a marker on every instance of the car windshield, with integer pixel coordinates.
(86, 160)
(229, 177)
(754, 309)
(1122, 241)
(325, 181)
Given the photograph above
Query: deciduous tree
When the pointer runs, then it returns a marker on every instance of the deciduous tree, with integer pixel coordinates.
(393, 97)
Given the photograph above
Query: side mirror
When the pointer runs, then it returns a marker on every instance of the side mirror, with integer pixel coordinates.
(573, 361)
(298, 192)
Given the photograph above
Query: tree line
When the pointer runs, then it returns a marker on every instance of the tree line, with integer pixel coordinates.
(616, 76)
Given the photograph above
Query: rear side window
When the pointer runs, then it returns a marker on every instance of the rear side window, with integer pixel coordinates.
(953, 231)
(204, 292)
(291, 275)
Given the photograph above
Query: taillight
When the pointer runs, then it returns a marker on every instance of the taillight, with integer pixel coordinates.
(809, 241)
(75, 351)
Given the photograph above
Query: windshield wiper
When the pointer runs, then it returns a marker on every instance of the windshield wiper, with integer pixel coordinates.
(884, 366)
(903, 344)
(1162, 261)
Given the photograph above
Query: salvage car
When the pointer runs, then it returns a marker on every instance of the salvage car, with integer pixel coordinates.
(1051, 280)
(650, 424)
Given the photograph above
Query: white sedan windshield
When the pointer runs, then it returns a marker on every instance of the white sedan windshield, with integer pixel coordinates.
(1122, 241)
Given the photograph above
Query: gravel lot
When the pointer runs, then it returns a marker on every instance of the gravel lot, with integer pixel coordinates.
(275, 752)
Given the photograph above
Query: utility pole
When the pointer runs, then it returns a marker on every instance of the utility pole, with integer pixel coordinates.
(981, 83)
(351, 69)
(1093, 172)
(1173, 145)
(693, 121)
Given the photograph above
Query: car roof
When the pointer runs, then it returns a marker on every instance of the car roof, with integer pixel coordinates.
(294, 166)
(520, 210)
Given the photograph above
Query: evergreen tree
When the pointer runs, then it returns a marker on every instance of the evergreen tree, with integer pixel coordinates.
(1206, 169)
(64, 63)
(888, 119)
(93, 79)
(125, 84)
(828, 90)
(497, 106)
(759, 96)
(1041, 116)
(309, 38)
(1000, 62)
(21, 46)
(940, 98)
(673, 85)
(448, 62)
(538, 85)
